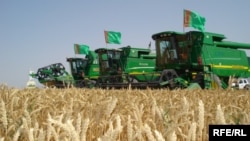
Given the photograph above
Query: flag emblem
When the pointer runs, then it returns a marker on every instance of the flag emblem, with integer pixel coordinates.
(193, 19)
(112, 37)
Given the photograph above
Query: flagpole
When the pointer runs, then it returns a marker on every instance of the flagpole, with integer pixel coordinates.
(105, 38)
(75, 50)
(183, 28)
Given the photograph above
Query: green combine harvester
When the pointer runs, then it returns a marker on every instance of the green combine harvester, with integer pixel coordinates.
(183, 60)
(119, 68)
(84, 73)
(203, 58)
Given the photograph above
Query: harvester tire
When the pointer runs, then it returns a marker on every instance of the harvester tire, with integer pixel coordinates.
(247, 87)
(169, 75)
(200, 80)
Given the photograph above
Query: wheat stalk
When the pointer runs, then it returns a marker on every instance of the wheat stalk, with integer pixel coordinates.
(73, 132)
(193, 131)
(53, 133)
(17, 134)
(27, 117)
(14, 101)
(140, 111)
(159, 113)
(138, 133)
(111, 107)
(172, 136)
(185, 104)
(129, 129)
(153, 109)
(30, 134)
(4, 119)
(41, 135)
(201, 118)
(78, 123)
(49, 128)
(36, 130)
(25, 125)
(108, 133)
(84, 129)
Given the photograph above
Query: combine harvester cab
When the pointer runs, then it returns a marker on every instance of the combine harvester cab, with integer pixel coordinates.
(85, 71)
(203, 58)
(126, 66)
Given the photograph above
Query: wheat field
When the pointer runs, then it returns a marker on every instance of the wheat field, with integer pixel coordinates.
(74, 114)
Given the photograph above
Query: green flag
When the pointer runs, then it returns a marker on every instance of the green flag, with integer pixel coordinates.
(81, 49)
(192, 19)
(112, 37)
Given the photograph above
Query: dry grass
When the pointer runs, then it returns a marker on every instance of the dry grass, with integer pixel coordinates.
(129, 115)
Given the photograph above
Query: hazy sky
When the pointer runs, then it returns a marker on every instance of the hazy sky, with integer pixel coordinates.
(36, 33)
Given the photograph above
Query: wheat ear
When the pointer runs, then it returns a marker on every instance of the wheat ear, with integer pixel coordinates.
(107, 135)
(118, 129)
(72, 132)
(193, 131)
(185, 104)
(112, 133)
(78, 123)
(111, 107)
(220, 115)
(148, 132)
(84, 129)
(159, 136)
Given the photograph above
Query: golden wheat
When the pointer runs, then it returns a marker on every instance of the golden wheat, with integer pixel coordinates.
(120, 115)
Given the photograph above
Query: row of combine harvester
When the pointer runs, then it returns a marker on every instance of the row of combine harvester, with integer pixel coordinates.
(181, 60)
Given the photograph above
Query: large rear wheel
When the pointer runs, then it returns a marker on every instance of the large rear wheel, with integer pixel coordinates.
(168, 76)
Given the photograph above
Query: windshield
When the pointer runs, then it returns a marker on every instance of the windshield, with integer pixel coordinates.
(168, 48)
(110, 61)
(79, 66)
(171, 49)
